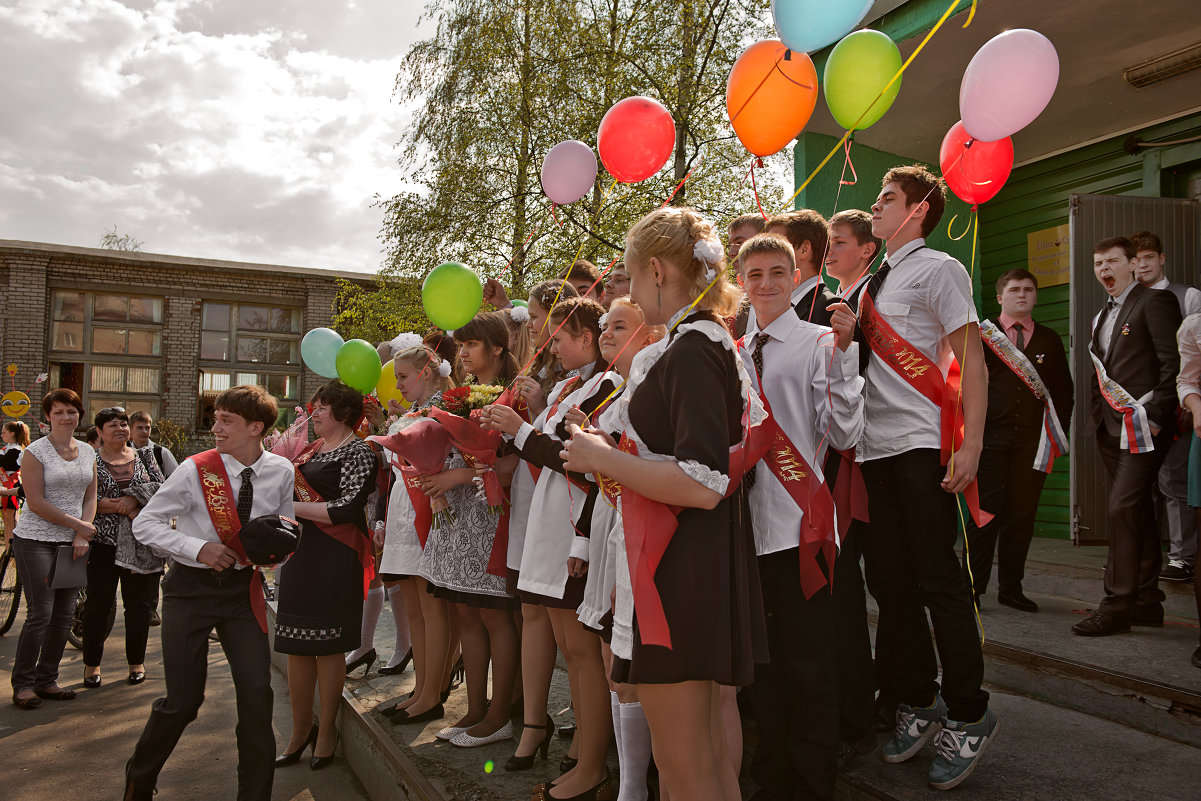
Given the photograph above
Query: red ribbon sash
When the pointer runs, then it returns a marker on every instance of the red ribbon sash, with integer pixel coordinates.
(649, 526)
(223, 513)
(345, 533)
(420, 501)
(923, 375)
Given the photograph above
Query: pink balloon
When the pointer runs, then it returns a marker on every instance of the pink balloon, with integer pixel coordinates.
(568, 172)
(1007, 84)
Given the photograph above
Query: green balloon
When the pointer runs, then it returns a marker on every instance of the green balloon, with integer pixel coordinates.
(358, 365)
(521, 303)
(857, 70)
(452, 294)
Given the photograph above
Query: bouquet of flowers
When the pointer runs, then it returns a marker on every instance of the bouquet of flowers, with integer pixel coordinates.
(460, 413)
(292, 441)
(424, 444)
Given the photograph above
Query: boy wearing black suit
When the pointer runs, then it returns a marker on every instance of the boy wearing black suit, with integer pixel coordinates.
(1133, 410)
(1011, 473)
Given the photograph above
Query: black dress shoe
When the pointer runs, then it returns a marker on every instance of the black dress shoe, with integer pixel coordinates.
(394, 670)
(1176, 572)
(155, 618)
(1197, 657)
(567, 732)
(1147, 615)
(567, 763)
(316, 762)
(91, 681)
(136, 677)
(403, 716)
(367, 659)
(516, 763)
(1100, 624)
(1017, 601)
(283, 760)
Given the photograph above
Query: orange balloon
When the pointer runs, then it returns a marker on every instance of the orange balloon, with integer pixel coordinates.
(770, 96)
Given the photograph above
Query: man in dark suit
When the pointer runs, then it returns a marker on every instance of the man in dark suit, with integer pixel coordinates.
(1134, 352)
(1010, 479)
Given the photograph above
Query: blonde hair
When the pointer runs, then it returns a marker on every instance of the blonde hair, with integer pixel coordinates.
(423, 358)
(671, 234)
(520, 343)
(766, 243)
(654, 332)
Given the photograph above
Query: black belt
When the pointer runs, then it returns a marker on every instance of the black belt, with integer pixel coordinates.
(218, 577)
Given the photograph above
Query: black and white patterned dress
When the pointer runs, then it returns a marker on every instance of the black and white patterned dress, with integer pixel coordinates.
(321, 586)
(456, 556)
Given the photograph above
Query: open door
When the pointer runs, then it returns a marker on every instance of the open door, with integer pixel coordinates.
(1093, 218)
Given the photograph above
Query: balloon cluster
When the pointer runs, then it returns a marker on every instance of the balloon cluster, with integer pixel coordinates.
(1006, 85)
(355, 362)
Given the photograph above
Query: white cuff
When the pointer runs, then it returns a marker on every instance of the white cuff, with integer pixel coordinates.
(579, 548)
(705, 476)
(523, 434)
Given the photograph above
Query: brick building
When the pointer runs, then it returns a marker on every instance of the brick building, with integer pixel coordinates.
(159, 333)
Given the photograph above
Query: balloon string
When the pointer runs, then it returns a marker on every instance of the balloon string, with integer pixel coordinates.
(755, 91)
(756, 160)
(946, 15)
(579, 250)
(554, 216)
(966, 229)
(848, 163)
(971, 14)
(680, 185)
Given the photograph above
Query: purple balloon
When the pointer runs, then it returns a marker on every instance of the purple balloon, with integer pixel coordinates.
(568, 172)
(1007, 84)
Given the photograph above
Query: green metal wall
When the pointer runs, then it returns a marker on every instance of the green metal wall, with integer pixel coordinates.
(1037, 197)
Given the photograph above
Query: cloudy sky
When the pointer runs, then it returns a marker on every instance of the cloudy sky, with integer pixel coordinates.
(255, 130)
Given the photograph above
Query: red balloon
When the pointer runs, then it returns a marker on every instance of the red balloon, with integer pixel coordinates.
(636, 138)
(974, 170)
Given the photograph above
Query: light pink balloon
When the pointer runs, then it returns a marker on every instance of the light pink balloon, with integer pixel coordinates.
(1007, 84)
(568, 172)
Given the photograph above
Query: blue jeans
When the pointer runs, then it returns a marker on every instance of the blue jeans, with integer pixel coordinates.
(48, 617)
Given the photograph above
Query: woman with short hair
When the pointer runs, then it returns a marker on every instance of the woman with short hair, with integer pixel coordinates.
(58, 474)
(321, 587)
(121, 480)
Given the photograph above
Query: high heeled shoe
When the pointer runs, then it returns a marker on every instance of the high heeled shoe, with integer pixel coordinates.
(517, 763)
(457, 675)
(601, 792)
(316, 762)
(283, 760)
(401, 667)
(367, 659)
(567, 763)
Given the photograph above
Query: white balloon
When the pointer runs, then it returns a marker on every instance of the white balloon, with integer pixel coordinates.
(1007, 84)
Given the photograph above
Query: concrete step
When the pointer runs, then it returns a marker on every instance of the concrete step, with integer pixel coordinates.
(1044, 751)
(1142, 679)
(1057, 567)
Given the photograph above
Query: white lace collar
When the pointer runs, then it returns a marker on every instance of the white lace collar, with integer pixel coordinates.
(646, 359)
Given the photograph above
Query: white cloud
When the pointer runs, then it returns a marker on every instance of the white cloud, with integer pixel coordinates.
(243, 130)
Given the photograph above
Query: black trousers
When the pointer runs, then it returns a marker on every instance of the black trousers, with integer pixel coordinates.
(795, 695)
(1010, 488)
(193, 605)
(1135, 557)
(912, 567)
(853, 644)
(136, 594)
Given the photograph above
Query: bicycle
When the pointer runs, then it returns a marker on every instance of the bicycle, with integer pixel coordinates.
(75, 635)
(10, 588)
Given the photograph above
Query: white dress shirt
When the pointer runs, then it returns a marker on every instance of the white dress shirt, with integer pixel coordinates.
(1192, 296)
(797, 294)
(1105, 334)
(811, 386)
(926, 296)
(181, 499)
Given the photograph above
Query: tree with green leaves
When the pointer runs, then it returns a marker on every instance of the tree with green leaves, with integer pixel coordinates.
(500, 83)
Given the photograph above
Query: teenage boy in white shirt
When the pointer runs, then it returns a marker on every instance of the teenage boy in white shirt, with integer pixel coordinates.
(208, 589)
(809, 374)
(925, 297)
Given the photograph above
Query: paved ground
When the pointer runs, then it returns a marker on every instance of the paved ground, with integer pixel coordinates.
(76, 750)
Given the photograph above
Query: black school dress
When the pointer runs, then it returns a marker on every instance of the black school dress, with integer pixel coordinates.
(690, 405)
(321, 585)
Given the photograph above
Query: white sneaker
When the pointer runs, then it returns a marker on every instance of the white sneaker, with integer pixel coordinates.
(450, 732)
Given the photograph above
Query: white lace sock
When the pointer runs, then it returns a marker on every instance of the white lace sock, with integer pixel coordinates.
(634, 752)
(400, 617)
(371, 609)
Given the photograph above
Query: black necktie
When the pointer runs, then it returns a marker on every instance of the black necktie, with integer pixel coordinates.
(245, 496)
(757, 355)
(1110, 305)
(877, 280)
(1020, 340)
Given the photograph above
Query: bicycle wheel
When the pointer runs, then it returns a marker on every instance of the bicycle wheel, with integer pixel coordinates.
(10, 590)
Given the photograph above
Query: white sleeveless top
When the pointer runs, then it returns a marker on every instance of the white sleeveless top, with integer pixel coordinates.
(65, 483)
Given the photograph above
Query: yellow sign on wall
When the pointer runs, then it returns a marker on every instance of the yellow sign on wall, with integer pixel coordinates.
(1048, 255)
